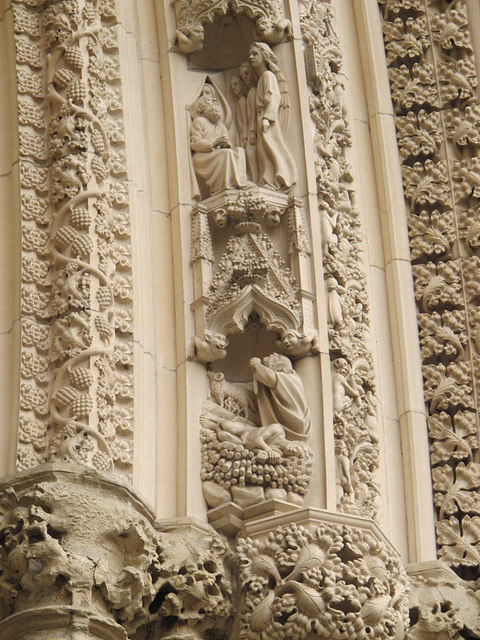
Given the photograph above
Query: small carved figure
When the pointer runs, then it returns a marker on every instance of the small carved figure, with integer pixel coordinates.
(335, 309)
(344, 391)
(268, 442)
(246, 74)
(275, 164)
(237, 397)
(214, 347)
(281, 396)
(241, 119)
(297, 344)
(215, 161)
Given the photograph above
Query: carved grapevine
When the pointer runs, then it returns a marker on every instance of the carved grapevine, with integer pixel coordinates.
(433, 81)
(328, 581)
(76, 269)
(355, 419)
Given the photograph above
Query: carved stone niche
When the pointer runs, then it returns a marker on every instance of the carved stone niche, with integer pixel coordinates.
(317, 574)
(194, 17)
(442, 605)
(81, 558)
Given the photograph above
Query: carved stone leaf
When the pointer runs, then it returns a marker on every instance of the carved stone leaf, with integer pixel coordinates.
(457, 490)
(310, 601)
(265, 565)
(374, 609)
(459, 545)
(457, 442)
(262, 614)
(309, 557)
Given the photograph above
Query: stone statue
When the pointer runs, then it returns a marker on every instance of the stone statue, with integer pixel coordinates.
(281, 396)
(246, 74)
(297, 344)
(275, 164)
(241, 119)
(214, 160)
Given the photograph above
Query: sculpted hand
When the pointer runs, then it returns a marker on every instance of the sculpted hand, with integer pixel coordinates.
(265, 125)
(254, 362)
(221, 143)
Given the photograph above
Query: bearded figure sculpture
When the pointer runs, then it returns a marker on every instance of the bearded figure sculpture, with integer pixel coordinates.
(216, 162)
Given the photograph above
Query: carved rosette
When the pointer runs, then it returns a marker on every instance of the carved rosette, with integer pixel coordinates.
(354, 387)
(76, 271)
(433, 81)
(330, 580)
(81, 552)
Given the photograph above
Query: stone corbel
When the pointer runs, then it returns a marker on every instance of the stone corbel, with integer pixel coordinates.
(271, 25)
(82, 558)
(316, 572)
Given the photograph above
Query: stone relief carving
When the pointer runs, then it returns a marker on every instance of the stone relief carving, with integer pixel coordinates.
(329, 580)
(275, 164)
(254, 433)
(433, 84)
(76, 272)
(353, 377)
(192, 17)
(215, 161)
(254, 436)
(72, 543)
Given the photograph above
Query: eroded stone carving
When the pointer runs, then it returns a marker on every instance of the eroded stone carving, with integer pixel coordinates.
(79, 545)
(433, 88)
(329, 580)
(77, 295)
(441, 604)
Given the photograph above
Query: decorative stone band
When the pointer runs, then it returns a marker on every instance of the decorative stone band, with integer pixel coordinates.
(353, 374)
(433, 80)
(81, 553)
(317, 572)
(76, 270)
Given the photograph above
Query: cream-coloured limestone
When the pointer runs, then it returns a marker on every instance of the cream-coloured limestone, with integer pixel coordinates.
(82, 553)
(10, 239)
(401, 302)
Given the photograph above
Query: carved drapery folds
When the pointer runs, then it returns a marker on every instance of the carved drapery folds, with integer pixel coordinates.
(78, 549)
(321, 580)
(433, 81)
(250, 254)
(353, 377)
(76, 292)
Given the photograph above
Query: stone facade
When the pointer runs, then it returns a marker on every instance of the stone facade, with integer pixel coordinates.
(239, 319)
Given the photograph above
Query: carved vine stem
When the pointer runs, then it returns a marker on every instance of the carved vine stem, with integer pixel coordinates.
(76, 335)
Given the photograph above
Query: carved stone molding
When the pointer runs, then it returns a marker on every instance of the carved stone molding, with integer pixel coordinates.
(353, 376)
(76, 361)
(323, 574)
(81, 552)
(433, 82)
